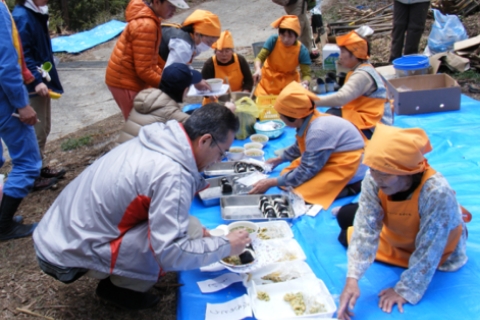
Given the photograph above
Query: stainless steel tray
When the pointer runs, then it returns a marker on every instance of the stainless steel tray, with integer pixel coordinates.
(223, 169)
(246, 207)
(220, 169)
(211, 195)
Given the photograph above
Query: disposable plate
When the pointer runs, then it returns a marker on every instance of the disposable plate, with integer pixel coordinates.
(313, 290)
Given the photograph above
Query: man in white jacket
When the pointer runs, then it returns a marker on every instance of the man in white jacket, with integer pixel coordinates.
(124, 220)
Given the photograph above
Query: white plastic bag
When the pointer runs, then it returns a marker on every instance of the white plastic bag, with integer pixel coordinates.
(446, 30)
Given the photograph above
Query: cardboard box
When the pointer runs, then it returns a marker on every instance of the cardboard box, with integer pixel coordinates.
(330, 54)
(424, 94)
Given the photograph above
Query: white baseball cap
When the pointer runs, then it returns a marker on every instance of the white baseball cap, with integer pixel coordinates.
(179, 4)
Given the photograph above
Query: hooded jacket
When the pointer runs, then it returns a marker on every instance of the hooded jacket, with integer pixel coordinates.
(133, 64)
(37, 46)
(127, 214)
(149, 106)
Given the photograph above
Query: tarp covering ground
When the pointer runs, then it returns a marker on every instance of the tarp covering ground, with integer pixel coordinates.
(455, 138)
(82, 41)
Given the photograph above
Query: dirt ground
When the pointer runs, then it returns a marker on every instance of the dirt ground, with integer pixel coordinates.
(24, 287)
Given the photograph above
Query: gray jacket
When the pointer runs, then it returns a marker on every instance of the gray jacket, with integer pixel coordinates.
(127, 214)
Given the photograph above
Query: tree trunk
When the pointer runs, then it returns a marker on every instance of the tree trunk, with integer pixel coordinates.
(65, 15)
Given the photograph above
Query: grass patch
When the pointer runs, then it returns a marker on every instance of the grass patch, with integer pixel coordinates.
(71, 144)
(467, 75)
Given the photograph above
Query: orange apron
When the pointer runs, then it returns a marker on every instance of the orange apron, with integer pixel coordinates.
(233, 72)
(401, 224)
(279, 69)
(364, 112)
(340, 168)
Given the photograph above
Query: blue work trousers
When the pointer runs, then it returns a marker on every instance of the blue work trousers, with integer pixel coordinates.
(23, 149)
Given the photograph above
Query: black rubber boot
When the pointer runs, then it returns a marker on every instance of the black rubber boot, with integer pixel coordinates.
(125, 298)
(10, 228)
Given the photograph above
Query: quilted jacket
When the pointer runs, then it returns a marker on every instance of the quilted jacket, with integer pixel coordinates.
(133, 64)
(150, 105)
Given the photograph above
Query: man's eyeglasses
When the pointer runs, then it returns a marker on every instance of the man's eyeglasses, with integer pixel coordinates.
(223, 154)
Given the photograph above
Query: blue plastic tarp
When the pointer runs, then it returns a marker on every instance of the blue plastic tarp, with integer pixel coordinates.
(81, 41)
(451, 295)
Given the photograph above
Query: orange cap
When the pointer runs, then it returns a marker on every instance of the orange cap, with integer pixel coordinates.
(397, 151)
(288, 22)
(225, 41)
(204, 22)
(355, 44)
(295, 101)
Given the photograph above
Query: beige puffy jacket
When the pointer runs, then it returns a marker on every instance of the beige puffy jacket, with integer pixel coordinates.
(149, 106)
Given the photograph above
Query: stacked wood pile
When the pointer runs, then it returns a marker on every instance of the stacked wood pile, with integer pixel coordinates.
(458, 7)
(351, 18)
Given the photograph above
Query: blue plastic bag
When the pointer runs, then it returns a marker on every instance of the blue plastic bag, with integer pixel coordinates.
(446, 30)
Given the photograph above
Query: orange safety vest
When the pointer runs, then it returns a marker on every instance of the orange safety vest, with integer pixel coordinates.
(279, 69)
(364, 112)
(401, 224)
(340, 168)
(232, 72)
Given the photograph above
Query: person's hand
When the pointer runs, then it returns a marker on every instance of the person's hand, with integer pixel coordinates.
(388, 298)
(305, 84)
(41, 89)
(274, 162)
(203, 86)
(257, 75)
(238, 241)
(28, 115)
(231, 106)
(263, 185)
(348, 298)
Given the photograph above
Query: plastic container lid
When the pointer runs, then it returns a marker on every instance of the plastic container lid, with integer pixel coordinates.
(411, 62)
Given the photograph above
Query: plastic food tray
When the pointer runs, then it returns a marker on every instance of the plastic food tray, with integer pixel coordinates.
(278, 308)
(246, 207)
(274, 230)
(211, 195)
(289, 270)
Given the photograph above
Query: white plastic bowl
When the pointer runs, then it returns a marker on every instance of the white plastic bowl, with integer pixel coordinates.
(215, 84)
(259, 138)
(235, 153)
(253, 145)
(256, 154)
(251, 227)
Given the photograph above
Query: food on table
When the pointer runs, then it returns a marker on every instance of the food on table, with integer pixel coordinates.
(236, 150)
(249, 230)
(260, 138)
(240, 167)
(276, 207)
(299, 305)
(261, 295)
(296, 302)
(278, 277)
(245, 257)
(234, 260)
(254, 153)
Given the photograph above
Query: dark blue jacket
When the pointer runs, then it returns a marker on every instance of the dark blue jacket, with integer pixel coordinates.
(37, 46)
